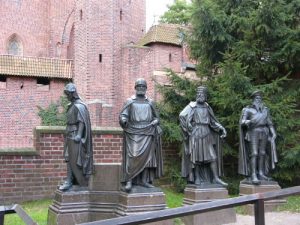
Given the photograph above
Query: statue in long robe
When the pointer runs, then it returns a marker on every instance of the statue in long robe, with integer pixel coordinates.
(202, 156)
(78, 149)
(142, 155)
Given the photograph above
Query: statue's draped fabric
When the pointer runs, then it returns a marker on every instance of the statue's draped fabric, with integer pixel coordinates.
(142, 140)
(79, 155)
(201, 142)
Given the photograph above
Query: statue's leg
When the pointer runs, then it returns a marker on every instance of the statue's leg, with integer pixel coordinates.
(197, 174)
(69, 181)
(261, 160)
(253, 161)
(214, 169)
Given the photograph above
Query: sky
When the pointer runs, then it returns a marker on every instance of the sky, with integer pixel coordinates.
(154, 9)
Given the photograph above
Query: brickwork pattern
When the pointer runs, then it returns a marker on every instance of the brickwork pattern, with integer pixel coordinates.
(37, 176)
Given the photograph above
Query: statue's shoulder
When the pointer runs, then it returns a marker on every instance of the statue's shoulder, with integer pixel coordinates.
(80, 105)
(192, 104)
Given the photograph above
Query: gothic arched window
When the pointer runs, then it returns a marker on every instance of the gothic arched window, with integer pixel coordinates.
(14, 46)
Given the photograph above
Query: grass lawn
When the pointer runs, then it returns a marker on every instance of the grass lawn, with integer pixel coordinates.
(38, 210)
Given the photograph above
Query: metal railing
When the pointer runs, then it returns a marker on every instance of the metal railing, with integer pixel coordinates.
(15, 209)
(256, 199)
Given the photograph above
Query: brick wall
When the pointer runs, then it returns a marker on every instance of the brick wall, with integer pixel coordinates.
(20, 97)
(36, 174)
(12, 22)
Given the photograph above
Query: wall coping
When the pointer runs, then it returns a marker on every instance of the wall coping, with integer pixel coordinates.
(61, 129)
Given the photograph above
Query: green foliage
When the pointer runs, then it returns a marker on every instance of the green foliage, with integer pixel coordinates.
(37, 210)
(242, 46)
(173, 198)
(173, 174)
(55, 113)
(178, 13)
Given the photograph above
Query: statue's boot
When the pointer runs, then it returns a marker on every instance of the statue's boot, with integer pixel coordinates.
(261, 168)
(128, 186)
(66, 185)
(213, 166)
(254, 178)
(145, 182)
(197, 175)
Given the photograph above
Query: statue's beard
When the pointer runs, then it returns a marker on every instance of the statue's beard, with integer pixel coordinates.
(258, 105)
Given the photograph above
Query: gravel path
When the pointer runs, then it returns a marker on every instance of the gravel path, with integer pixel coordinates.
(271, 218)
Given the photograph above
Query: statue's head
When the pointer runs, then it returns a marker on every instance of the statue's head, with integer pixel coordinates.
(140, 87)
(71, 92)
(201, 94)
(257, 96)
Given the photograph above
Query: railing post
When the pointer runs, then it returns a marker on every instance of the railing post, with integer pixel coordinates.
(2, 217)
(259, 212)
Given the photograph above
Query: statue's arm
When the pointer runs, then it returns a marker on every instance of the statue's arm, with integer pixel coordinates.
(124, 115)
(245, 118)
(271, 127)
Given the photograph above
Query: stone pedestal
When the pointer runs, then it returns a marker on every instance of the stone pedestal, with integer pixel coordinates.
(194, 194)
(247, 188)
(142, 200)
(96, 202)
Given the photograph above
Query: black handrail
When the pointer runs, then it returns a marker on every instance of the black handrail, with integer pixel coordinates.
(15, 209)
(257, 199)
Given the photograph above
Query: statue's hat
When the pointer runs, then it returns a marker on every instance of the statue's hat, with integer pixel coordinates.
(256, 93)
(70, 87)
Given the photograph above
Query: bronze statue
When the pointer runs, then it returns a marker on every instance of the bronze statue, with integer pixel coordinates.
(202, 157)
(78, 150)
(257, 153)
(142, 155)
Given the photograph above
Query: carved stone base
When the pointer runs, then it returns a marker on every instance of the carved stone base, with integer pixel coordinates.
(247, 188)
(194, 194)
(96, 202)
(142, 200)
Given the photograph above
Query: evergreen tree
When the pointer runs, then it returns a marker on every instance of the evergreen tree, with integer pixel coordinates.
(241, 46)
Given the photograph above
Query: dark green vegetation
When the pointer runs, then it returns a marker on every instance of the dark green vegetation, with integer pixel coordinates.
(242, 46)
(55, 113)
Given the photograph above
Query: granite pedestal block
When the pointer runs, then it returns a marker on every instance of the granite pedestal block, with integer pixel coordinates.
(98, 201)
(196, 195)
(142, 200)
(246, 188)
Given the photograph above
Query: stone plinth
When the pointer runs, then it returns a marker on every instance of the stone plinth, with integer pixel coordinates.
(247, 188)
(194, 195)
(142, 200)
(96, 202)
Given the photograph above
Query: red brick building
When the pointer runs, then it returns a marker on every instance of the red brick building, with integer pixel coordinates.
(103, 48)
(100, 45)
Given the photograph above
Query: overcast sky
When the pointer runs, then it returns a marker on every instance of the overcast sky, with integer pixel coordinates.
(154, 9)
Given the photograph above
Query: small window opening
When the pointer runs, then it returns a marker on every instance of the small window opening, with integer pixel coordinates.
(43, 83)
(81, 14)
(100, 57)
(121, 15)
(170, 57)
(2, 82)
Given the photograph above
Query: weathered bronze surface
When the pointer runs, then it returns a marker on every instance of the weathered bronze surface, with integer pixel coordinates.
(142, 155)
(78, 149)
(257, 153)
(202, 156)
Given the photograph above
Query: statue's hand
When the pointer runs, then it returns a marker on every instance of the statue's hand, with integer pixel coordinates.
(247, 123)
(190, 127)
(124, 123)
(154, 122)
(77, 138)
(224, 133)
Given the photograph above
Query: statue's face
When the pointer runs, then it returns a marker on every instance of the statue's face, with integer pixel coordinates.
(257, 99)
(69, 95)
(140, 89)
(201, 97)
